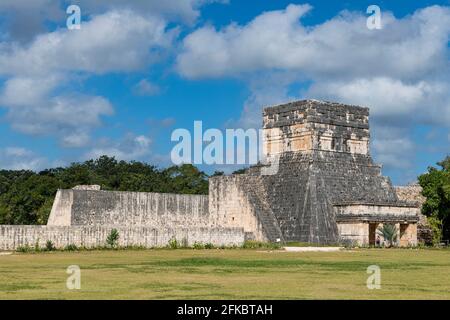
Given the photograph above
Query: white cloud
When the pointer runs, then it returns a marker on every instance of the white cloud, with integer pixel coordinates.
(32, 109)
(17, 158)
(25, 91)
(391, 99)
(114, 41)
(266, 90)
(62, 112)
(402, 72)
(146, 88)
(23, 19)
(340, 47)
(391, 151)
(39, 74)
(130, 147)
(75, 139)
(397, 71)
(183, 10)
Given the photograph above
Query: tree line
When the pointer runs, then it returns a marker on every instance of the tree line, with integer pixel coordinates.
(26, 197)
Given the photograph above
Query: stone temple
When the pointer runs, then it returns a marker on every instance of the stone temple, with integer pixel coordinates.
(327, 188)
(321, 186)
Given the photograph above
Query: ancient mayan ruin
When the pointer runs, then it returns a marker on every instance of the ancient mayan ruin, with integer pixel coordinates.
(326, 189)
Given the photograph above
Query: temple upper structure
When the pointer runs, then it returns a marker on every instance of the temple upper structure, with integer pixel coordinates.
(311, 125)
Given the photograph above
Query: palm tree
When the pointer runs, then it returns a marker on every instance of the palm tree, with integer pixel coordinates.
(389, 233)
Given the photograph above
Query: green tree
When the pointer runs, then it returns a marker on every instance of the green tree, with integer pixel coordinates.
(26, 194)
(436, 188)
(185, 179)
(26, 197)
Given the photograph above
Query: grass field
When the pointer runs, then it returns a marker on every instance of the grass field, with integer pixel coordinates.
(227, 274)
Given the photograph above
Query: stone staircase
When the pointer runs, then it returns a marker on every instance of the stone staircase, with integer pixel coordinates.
(257, 196)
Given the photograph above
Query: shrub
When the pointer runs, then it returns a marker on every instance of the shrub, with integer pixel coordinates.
(49, 246)
(71, 247)
(173, 243)
(113, 238)
(37, 248)
(347, 243)
(209, 246)
(198, 246)
(25, 248)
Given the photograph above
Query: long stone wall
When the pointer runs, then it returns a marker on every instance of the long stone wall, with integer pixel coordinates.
(91, 207)
(84, 216)
(12, 237)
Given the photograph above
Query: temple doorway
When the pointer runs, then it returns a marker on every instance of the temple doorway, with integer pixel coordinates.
(372, 233)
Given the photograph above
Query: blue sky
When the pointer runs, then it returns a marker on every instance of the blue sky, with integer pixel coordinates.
(138, 70)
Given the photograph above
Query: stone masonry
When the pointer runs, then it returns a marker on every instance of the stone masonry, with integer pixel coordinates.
(326, 189)
(413, 193)
(85, 216)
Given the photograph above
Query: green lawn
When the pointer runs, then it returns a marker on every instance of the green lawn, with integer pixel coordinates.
(227, 274)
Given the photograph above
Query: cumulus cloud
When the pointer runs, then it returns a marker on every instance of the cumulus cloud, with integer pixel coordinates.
(114, 41)
(32, 109)
(178, 10)
(342, 46)
(65, 115)
(391, 144)
(24, 19)
(398, 70)
(265, 90)
(39, 74)
(17, 158)
(130, 147)
(146, 88)
(401, 71)
(391, 100)
(22, 91)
